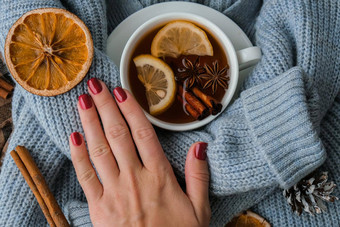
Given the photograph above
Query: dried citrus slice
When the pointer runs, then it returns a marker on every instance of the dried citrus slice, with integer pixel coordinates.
(248, 219)
(48, 51)
(158, 80)
(181, 38)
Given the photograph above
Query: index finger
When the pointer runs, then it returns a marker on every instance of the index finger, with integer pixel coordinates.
(145, 137)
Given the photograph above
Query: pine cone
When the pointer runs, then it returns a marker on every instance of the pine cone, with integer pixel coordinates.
(308, 195)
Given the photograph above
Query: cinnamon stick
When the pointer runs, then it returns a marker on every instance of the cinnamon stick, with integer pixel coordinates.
(38, 179)
(5, 85)
(209, 101)
(4, 93)
(193, 101)
(32, 186)
(190, 109)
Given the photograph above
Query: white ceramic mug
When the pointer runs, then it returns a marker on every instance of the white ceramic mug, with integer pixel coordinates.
(237, 60)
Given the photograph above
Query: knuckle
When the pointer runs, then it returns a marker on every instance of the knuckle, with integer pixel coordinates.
(132, 182)
(132, 179)
(79, 159)
(160, 181)
(144, 134)
(130, 114)
(117, 131)
(105, 103)
(120, 199)
(87, 176)
(200, 176)
(166, 168)
(89, 118)
(100, 151)
(163, 171)
(101, 210)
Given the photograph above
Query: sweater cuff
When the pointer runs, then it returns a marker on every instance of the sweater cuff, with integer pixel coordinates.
(280, 123)
(77, 213)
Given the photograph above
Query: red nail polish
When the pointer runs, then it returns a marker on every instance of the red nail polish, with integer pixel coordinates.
(120, 94)
(76, 139)
(85, 101)
(200, 151)
(94, 86)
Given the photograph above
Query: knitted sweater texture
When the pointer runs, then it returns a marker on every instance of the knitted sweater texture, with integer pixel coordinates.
(285, 124)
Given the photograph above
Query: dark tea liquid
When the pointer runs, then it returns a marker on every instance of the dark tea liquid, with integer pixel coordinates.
(176, 113)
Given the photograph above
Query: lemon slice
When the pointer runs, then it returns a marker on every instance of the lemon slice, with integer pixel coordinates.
(158, 80)
(181, 38)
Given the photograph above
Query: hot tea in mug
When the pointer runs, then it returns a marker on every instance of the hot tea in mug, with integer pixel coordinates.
(182, 69)
(179, 72)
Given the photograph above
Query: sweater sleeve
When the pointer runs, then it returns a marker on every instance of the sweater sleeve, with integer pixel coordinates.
(282, 128)
(266, 138)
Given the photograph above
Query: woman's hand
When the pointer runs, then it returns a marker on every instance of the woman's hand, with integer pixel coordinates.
(137, 186)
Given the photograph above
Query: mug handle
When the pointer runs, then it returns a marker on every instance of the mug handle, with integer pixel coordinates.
(248, 57)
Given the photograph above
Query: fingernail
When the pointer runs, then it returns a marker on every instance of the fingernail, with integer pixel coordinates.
(200, 151)
(120, 94)
(85, 101)
(94, 86)
(76, 139)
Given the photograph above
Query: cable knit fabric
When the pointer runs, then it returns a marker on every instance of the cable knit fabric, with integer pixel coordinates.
(285, 124)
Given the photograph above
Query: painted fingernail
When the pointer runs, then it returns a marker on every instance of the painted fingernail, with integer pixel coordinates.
(94, 86)
(76, 138)
(200, 151)
(120, 94)
(85, 101)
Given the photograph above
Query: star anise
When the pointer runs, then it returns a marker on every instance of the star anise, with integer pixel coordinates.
(191, 73)
(215, 77)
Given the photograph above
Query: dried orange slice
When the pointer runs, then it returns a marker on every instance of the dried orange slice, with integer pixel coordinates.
(181, 38)
(248, 219)
(48, 51)
(158, 80)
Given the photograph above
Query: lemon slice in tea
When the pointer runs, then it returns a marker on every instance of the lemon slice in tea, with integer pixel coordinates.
(159, 82)
(48, 51)
(181, 38)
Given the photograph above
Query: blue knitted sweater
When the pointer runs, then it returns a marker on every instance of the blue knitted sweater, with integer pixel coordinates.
(285, 124)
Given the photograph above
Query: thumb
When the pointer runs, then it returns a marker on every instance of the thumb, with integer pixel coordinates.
(197, 181)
